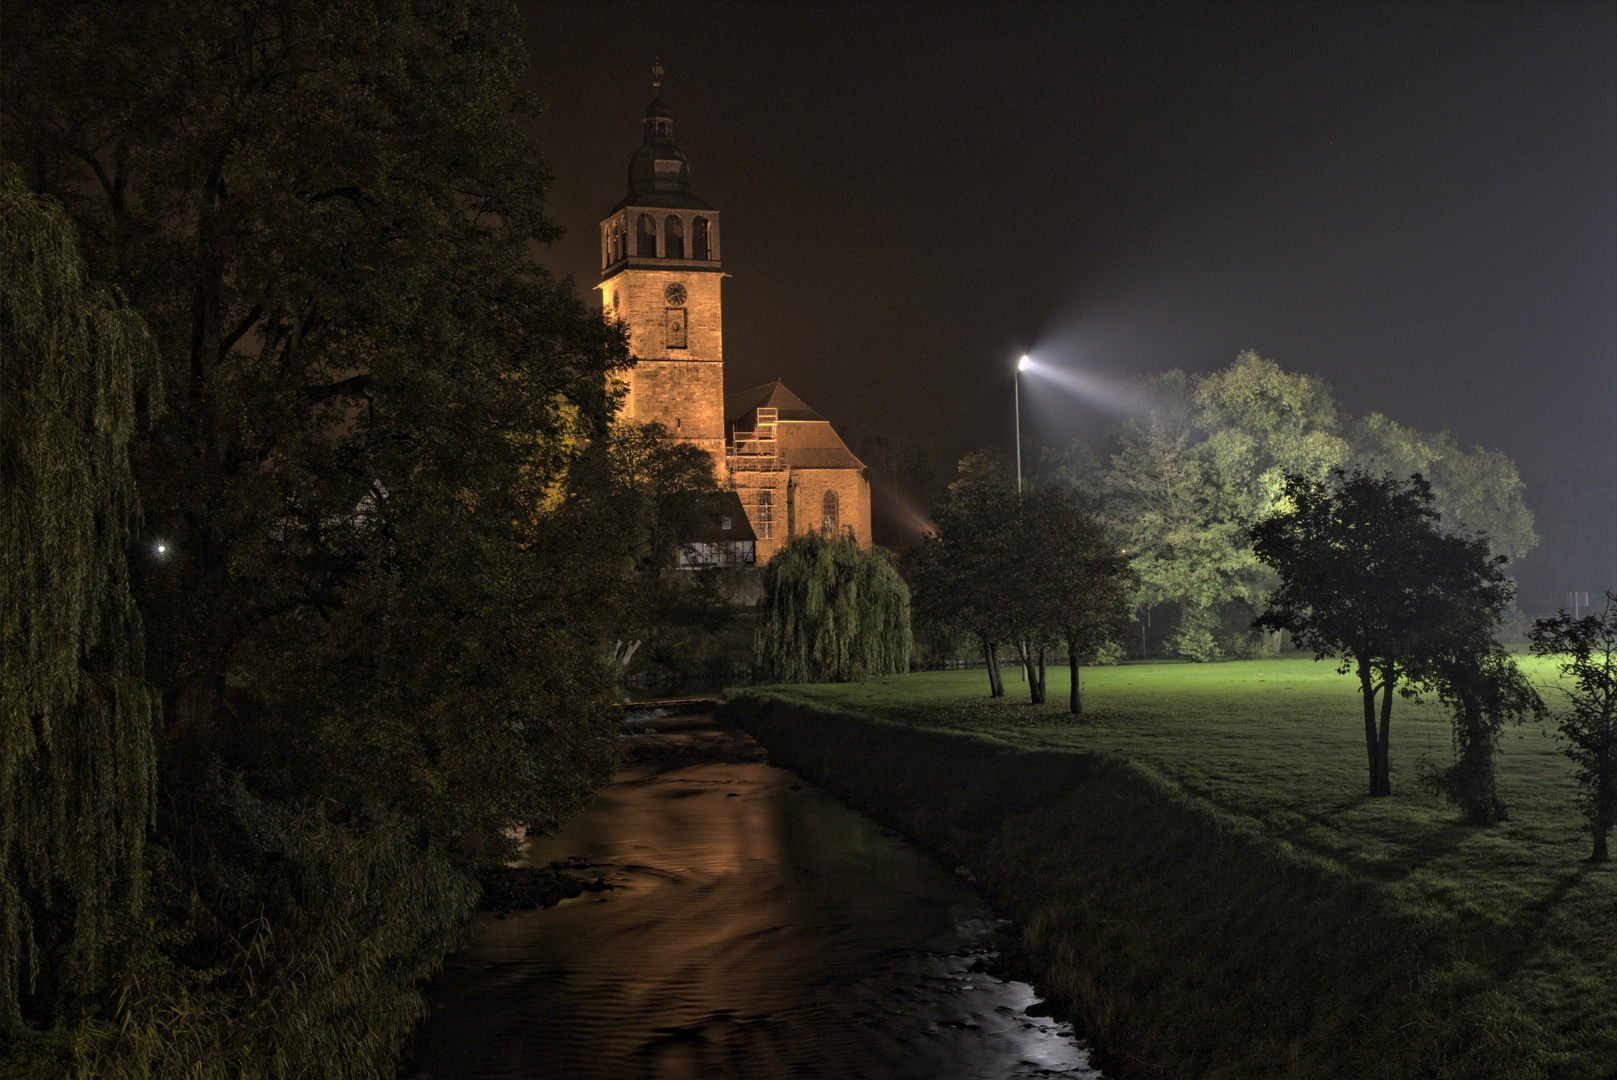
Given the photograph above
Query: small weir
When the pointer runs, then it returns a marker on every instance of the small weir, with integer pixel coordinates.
(754, 927)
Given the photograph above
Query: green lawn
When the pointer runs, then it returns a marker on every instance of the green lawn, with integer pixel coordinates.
(1277, 746)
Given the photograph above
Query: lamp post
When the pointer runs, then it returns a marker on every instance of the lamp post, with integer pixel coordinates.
(1021, 366)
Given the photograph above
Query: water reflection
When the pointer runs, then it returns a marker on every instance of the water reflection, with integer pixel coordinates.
(756, 928)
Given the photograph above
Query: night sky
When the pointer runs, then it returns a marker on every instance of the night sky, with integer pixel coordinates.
(1417, 203)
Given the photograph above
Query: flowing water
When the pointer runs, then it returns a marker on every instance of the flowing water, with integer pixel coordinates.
(756, 927)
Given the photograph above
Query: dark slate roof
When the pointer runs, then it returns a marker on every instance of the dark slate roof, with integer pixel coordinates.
(662, 200)
(791, 406)
(805, 438)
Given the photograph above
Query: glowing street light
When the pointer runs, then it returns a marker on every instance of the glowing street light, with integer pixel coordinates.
(1022, 365)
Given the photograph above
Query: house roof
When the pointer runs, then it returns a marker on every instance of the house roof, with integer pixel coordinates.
(727, 507)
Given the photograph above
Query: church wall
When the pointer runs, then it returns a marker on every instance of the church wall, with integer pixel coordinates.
(853, 500)
(686, 397)
(748, 483)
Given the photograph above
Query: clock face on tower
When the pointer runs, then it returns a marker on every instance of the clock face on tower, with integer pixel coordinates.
(675, 295)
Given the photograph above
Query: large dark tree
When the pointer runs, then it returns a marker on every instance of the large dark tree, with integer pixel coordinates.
(959, 572)
(377, 619)
(1085, 577)
(1587, 651)
(326, 212)
(1367, 575)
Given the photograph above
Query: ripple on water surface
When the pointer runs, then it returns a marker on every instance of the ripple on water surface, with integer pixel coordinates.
(756, 928)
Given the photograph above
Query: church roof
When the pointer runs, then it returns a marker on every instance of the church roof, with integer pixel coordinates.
(769, 395)
(804, 438)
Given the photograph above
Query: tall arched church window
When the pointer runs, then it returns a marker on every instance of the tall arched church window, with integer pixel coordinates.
(763, 525)
(829, 523)
(673, 238)
(647, 247)
(699, 248)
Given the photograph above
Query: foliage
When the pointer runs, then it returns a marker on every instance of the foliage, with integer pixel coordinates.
(1366, 575)
(958, 571)
(1477, 489)
(1483, 688)
(1032, 567)
(832, 612)
(1208, 460)
(677, 625)
(327, 210)
(326, 983)
(77, 368)
(1086, 582)
(387, 585)
(1586, 649)
(666, 488)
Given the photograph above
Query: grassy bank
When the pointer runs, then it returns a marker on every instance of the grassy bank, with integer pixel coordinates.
(1207, 889)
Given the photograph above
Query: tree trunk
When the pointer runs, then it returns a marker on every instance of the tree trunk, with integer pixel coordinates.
(996, 687)
(1075, 703)
(1036, 684)
(1477, 791)
(1600, 854)
(1367, 691)
(1383, 779)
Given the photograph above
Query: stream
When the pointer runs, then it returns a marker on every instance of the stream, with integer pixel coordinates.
(754, 927)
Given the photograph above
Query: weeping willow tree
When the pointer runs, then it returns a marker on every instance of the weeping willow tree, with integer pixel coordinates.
(76, 719)
(833, 612)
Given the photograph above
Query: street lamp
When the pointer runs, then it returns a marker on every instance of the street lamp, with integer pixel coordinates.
(1021, 366)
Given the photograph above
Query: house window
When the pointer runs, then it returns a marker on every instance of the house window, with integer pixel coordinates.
(724, 523)
(764, 522)
(828, 514)
(676, 327)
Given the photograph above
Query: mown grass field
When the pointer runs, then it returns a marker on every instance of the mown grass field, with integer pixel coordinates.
(1512, 927)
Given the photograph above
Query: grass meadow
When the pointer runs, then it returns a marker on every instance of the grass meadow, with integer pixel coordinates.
(1513, 928)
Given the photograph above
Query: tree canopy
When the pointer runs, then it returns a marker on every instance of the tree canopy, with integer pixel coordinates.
(1208, 458)
(1586, 648)
(832, 612)
(1367, 575)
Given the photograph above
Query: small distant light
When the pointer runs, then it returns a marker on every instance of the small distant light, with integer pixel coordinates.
(162, 549)
(1023, 364)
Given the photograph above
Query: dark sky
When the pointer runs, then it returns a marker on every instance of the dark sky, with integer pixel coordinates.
(1416, 202)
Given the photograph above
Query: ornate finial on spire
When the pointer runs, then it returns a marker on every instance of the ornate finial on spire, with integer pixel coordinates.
(656, 74)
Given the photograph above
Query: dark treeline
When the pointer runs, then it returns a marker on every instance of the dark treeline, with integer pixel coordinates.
(355, 628)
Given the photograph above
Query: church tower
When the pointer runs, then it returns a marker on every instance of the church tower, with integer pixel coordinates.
(660, 275)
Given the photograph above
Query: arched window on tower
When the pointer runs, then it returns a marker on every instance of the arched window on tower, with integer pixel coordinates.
(829, 519)
(647, 247)
(673, 237)
(617, 244)
(699, 248)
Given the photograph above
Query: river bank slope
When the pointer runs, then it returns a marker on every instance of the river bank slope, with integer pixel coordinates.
(1202, 887)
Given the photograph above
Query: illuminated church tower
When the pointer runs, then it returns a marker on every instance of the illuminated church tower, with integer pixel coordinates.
(660, 275)
(787, 469)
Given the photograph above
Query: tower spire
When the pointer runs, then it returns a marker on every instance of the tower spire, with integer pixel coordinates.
(657, 74)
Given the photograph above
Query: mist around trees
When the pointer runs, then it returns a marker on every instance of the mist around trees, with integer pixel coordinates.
(1207, 460)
